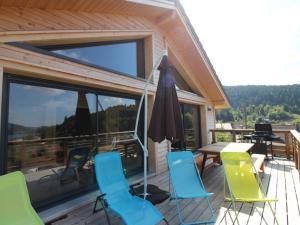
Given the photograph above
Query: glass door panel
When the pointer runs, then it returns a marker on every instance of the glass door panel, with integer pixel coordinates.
(51, 132)
(116, 121)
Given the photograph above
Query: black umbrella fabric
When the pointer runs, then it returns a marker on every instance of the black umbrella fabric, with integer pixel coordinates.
(82, 123)
(166, 120)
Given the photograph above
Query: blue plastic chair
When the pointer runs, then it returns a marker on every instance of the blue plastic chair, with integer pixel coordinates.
(116, 196)
(186, 182)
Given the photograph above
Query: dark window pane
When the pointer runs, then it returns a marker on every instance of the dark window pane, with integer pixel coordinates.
(116, 128)
(191, 124)
(50, 136)
(119, 57)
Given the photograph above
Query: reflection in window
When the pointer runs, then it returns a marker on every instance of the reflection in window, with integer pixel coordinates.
(191, 124)
(116, 128)
(124, 57)
(50, 135)
(53, 134)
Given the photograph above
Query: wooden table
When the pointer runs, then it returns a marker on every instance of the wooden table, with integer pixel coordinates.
(216, 148)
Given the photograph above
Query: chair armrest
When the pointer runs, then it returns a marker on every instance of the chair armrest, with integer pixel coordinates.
(102, 195)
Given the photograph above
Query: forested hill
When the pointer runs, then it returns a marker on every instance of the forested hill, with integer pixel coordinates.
(276, 104)
(285, 95)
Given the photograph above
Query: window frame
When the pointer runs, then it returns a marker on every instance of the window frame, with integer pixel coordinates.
(9, 78)
(199, 120)
(46, 50)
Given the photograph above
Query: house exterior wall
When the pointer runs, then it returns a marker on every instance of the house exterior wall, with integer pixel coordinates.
(211, 122)
(37, 26)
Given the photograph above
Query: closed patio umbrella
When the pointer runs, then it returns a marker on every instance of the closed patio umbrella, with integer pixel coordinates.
(166, 120)
(82, 122)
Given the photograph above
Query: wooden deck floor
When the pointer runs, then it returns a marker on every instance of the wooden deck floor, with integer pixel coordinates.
(280, 179)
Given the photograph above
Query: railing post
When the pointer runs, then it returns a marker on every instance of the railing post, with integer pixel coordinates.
(287, 144)
(294, 146)
(233, 136)
(213, 133)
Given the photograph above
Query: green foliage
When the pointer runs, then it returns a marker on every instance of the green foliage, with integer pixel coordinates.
(188, 119)
(276, 104)
(285, 95)
(223, 137)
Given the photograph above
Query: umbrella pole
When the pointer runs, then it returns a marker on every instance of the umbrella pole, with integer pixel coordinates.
(145, 142)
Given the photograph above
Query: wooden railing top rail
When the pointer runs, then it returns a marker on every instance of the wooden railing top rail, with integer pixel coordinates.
(234, 132)
(296, 134)
(68, 137)
(247, 130)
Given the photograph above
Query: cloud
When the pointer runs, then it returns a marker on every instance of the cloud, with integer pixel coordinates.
(108, 101)
(72, 53)
(44, 90)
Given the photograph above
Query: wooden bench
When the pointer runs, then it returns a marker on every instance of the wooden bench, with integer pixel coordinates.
(258, 163)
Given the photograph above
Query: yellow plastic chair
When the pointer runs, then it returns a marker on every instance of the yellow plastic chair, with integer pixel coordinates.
(15, 206)
(241, 181)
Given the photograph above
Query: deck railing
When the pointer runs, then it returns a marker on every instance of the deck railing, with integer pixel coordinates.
(278, 148)
(296, 148)
(26, 154)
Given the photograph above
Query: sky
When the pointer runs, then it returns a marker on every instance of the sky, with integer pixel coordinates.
(249, 42)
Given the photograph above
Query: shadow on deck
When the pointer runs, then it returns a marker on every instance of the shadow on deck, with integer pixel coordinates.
(280, 180)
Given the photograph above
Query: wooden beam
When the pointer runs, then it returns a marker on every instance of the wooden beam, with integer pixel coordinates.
(157, 3)
(72, 36)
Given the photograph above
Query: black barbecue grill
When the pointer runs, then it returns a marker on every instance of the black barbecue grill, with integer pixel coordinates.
(262, 135)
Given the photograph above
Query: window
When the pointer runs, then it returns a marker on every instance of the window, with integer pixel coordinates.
(120, 57)
(53, 134)
(191, 125)
(181, 83)
(117, 118)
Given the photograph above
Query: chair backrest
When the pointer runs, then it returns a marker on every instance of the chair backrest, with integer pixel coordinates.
(15, 206)
(184, 175)
(110, 176)
(78, 157)
(240, 175)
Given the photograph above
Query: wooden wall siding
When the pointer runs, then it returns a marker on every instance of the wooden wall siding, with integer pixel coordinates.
(21, 19)
(114, 6)
(210, 123)
(161, 152)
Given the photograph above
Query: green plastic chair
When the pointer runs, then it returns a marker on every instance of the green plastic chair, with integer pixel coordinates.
(241, 181)
(15, 206)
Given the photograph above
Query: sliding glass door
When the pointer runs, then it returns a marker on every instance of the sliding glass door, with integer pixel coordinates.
(191, 124)
(53, 133)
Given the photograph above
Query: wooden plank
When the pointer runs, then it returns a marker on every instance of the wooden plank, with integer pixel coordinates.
(293, 211)
(270, 188)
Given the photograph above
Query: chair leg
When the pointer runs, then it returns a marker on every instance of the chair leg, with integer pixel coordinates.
(235, 212)
(227, 211)
(103, 208)
(211, 209)
(275, 218)
(178, 211)
(166, 221)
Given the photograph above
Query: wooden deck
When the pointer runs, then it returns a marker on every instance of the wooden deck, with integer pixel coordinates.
(280, 179)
